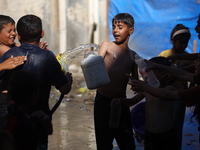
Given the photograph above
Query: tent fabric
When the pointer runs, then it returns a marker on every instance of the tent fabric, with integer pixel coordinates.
(154, 21)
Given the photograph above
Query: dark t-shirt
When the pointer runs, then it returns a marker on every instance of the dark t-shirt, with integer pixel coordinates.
(45, 66)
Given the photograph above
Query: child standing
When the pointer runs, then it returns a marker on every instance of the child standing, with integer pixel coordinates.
(42, 62)
(7, 38)
(159, 134)
(180, 36)
(119, 61)
(189, 96)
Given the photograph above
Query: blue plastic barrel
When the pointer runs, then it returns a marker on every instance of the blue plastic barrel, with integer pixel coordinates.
(138, 118)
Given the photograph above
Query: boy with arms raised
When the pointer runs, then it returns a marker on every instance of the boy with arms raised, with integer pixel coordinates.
(119, 61)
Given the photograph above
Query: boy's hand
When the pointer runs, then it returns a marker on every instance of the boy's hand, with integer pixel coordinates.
(12, 62)
(113, 101)
(130, 77)
(66, 88)
(43, 45)
(69, 77)
(137, 85)
(150, 65)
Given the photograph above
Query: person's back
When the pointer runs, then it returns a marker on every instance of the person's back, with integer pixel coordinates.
(42, 62)
(159, 115)
(38, 61)
(119, 61)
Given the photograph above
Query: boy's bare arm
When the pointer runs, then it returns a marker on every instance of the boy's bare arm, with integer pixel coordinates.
(139, 86)
(103, 48)
(132, 101)
(43, 45)
(12, 62)
(184, 57)
(176, 72)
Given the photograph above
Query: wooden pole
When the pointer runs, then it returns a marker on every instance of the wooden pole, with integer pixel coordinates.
(194, 46)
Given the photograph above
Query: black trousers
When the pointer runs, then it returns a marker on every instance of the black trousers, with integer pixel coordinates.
(104, 134)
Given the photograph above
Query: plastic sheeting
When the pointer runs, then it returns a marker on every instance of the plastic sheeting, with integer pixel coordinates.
(154, 21)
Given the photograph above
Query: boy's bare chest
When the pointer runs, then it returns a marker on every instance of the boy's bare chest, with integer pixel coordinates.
(116, 60)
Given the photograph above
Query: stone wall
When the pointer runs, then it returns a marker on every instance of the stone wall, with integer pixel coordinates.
(65, 26)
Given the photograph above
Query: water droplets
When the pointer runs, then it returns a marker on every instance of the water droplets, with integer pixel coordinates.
(68, 101)
(75, 52)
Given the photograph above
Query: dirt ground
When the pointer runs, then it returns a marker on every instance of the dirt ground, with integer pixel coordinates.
(73, 124)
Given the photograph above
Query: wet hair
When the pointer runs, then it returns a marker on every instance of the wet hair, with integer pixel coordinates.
(29, 27)
(22, 86)
(178, 36)
(4, 20)
(125, 18)
(161, 61)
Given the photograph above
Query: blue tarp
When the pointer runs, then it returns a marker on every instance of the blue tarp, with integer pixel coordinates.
(154, 21)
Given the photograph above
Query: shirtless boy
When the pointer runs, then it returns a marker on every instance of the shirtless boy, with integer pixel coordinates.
(159, 134)
(119, 61)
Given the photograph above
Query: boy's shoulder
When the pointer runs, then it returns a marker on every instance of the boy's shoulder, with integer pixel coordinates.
(107, 43)
(132, 51)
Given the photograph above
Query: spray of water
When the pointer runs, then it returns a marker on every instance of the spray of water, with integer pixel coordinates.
(69, 55)
(76, 52)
